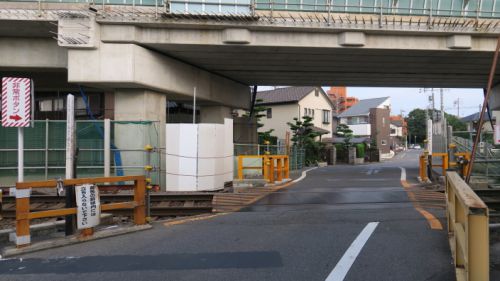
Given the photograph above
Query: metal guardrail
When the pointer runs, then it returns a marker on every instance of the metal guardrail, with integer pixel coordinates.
(468, 228)
(23, 214)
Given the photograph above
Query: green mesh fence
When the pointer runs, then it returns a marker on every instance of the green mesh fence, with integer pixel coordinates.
(45, 143)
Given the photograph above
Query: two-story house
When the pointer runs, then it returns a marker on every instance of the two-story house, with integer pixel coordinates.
(370, 118)
(284, 104)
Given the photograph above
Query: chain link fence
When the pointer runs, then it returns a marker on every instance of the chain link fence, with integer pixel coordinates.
(487, 161)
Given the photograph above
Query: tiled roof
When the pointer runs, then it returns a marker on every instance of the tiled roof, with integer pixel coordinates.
(475, 117)
(284, 95)
(363, 107)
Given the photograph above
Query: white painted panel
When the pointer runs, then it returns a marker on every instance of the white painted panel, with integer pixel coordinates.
(207, 142)
(207, 183)
(199, 156)
(181, 183)
(188, 140)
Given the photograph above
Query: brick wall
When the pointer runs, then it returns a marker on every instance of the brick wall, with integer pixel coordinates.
(380, 127)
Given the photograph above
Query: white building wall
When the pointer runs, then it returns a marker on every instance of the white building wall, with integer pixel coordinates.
(281, 114)
(318, 104)
(361, 130)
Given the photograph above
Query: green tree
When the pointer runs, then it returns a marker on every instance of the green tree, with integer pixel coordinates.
(417, 124)
(304, 136)
(345, 132)
(453, 121)
(260, 111)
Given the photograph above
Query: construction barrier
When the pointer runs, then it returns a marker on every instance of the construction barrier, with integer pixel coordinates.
(23, 214)
(444, 162)
(422, 164)
(274, 167)
(468, 228)
(462, 161)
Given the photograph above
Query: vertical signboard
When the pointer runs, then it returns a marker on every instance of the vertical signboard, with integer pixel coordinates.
(16, 102)
(497, 134)
(88, 206)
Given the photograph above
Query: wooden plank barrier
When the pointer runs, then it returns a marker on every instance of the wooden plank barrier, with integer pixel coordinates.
(468, 229)
(23, 214)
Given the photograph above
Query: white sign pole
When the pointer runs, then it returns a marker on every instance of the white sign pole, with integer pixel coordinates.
(20, 154)
(70, 135)
(194, 105)
(429, 136)
(497, 134)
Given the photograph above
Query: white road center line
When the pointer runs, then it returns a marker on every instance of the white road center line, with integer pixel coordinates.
(403, 173)
(342, 268)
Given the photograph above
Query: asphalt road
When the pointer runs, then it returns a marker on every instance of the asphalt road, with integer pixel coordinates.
(300, 233)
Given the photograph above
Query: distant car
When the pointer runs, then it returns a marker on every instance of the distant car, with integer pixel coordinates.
(417, 147)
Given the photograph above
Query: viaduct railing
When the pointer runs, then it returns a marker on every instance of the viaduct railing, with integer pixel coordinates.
(429, 8)
(468, 228)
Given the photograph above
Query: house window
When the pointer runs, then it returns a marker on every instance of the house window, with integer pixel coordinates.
(383, 142)
(45, 105)
(305, 111)
(326, 116)
(269, 113)
(312, 113)
(393, 131)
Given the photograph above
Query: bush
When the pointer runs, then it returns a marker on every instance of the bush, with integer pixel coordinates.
(360, 150)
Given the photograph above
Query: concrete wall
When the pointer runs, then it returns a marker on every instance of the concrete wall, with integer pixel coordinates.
(281, 114)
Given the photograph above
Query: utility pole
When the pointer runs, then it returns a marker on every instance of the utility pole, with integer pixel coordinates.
(457, 103)
(444, 126)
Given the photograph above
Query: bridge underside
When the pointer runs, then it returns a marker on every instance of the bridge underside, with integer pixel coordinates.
(299, 66)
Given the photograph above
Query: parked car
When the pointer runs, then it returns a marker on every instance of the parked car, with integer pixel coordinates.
(417, 146)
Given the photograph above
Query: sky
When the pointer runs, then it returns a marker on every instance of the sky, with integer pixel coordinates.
(408, 99)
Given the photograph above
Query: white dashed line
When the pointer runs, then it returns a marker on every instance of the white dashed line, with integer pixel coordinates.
(342, 268)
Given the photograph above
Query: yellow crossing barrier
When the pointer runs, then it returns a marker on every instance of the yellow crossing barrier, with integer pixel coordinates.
(274, 167)
(23, 214)
(468, 228)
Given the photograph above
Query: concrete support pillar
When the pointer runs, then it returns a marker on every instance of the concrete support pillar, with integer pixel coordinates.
(214, 114)
(140, 105)
(494, 101)
(352, 155)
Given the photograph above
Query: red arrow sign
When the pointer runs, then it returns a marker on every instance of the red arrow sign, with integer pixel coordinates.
(15, 117)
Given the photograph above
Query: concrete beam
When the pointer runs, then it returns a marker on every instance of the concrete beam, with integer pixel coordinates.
(22, 53)
(133, 66)
(286, 38)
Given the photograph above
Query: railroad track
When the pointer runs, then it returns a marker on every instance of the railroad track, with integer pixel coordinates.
(162, 204)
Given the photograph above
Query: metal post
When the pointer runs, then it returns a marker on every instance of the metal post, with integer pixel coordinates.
(329, 11)
(107, 147)
(20, 154)
(156, 9)
(46, 149)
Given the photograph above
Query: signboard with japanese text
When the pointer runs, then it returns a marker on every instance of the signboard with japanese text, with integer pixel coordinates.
(88, 206)
(16, 102)
(497, 134)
